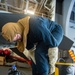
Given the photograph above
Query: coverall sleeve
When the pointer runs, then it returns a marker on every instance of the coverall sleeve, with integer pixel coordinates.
(30, 44)
(52, 38)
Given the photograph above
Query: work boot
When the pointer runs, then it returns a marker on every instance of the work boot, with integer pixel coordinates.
(43, 74)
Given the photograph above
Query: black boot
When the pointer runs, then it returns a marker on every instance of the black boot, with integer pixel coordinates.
(43, 74)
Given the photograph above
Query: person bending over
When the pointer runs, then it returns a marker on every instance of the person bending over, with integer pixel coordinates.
(38, 35)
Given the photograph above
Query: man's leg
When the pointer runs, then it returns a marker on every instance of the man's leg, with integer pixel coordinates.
(41, 57)
(34, 69)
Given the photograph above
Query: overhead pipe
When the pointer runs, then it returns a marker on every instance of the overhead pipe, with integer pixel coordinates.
(52, 9)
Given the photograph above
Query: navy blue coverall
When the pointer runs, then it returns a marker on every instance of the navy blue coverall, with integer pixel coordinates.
(46, 34)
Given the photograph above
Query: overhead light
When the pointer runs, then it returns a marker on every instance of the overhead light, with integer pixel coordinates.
(29, 12)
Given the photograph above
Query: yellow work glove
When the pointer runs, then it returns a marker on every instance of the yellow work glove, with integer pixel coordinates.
(53, 56)
(30, 54)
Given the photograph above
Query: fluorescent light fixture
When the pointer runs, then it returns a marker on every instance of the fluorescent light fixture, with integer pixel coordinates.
(29, 12)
